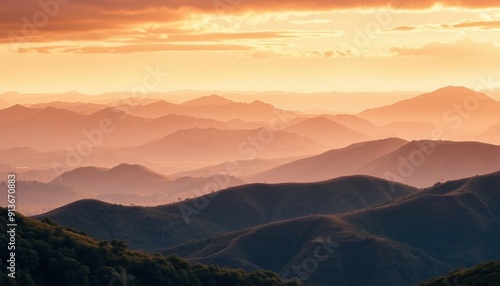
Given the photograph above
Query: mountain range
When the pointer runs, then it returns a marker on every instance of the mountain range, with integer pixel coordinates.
(452, 109)
(418, 163)
(250, 205)
(212, 107)
(355, 191)
(404, 241)
(136, 184)
(211, 145)
(398, 234)
(65, 256)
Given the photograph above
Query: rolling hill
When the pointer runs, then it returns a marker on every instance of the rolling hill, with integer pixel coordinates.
(208, 100)
(417, 163)
(354, 122)
(443, 160)
(36, 197)
(492, 135)
(249, 205)
(15, 113)
(141, 227)
(318, 249)
(255, 111)
(65, 256)
(407, 130)
(3, 104)
(52, 128)
(240, 168)
(43, 176)
(401, 242)
(79, 107)
(212, 145)
(164, 125)
(483, 274)
(327, 132)
(136, 184)
(363, 129)
(330, 164)
(124, 178)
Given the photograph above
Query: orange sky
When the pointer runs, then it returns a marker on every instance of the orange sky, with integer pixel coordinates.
(97, 46)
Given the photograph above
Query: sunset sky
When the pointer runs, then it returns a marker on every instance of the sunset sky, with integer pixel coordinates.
(95, 46)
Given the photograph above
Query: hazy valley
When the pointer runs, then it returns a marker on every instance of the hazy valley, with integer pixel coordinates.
(396, 194)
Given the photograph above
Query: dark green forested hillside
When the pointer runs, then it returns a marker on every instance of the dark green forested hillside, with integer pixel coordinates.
(48, 254)
(486, 274)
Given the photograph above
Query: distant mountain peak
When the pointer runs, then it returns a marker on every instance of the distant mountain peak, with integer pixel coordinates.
(440, 108)
(17, 107)
(453, 89)
(124, 173)
(212, 99)
(160, 103)
(260, 103)
(54, 111)
(136, 169)
(127, 166)
(107, 112)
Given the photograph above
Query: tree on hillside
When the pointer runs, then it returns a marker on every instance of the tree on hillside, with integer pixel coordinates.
(118, 246)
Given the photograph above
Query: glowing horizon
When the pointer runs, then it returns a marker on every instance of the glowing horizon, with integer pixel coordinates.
(95, 47)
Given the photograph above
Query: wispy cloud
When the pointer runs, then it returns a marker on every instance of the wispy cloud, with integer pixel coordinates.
(93, 19)
(464, 25)
(463, 48)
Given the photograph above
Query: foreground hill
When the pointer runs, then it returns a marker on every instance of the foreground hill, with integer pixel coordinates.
(249, 205)
(141, 227)
(417, 163)
(483, 274)
(52, 255)
(318, 249)
(257, 204)
(467, 210)
(413, 238)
